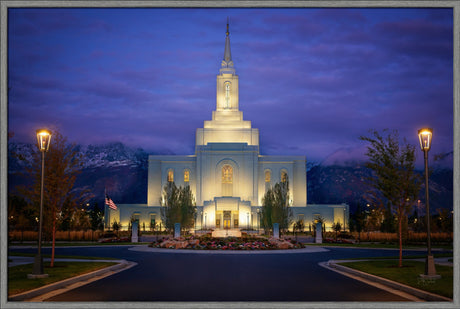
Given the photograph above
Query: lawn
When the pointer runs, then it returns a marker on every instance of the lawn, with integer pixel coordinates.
(60, 256)
(79, 243)
(18, 281)
(409, 274)
(379, 245)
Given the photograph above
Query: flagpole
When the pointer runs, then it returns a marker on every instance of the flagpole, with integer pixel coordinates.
(107, 208)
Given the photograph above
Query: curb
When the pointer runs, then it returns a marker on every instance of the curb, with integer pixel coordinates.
(67, 282)
(392, 284)
(192, 251)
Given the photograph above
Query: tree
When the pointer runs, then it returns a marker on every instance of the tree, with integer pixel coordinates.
(178, 206)
(388, 223)
(21, 215)
(358, 220)
(393, 180)
(298, 226)
(62, 165)
(337, 227)
(275, 207)
(116, 227)
(96, 218)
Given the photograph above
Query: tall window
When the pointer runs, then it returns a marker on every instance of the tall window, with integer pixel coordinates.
(170, 175)
(186, 176)
(227, 174)
(227, 95)
(268, 176)
(227, 180)
(284, 176)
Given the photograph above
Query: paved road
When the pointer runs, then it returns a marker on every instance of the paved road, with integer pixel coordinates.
(221, 277)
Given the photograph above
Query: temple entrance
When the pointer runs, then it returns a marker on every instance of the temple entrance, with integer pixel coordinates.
(227, 219)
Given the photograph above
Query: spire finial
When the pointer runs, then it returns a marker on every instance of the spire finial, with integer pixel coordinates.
(227, 33)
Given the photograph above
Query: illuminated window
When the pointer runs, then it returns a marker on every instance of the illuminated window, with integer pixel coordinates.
(284, 176)
(186, 176)
(170, 176)
(227, 95)
(227, 174)
(268, 176)
(227, 180)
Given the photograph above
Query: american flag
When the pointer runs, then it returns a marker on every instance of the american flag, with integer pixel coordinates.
(110, 203)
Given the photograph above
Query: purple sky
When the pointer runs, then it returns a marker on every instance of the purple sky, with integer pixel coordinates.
(311, 80)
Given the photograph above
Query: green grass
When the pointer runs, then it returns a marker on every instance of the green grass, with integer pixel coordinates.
(405, 257)
(378, 245)
(409, 274)
(77, 243)
(18, 281)
(60, 256)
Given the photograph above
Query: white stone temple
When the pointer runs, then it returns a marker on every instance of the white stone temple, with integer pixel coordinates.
(227, 174)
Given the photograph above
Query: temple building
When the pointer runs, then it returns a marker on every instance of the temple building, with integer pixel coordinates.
(227, 174)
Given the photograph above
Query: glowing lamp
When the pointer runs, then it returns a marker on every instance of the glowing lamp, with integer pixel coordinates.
(424, 136)
(43, 140)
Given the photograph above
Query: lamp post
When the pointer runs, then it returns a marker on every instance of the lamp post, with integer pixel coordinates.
(247, 219)
(425, 136)
(43, 141)
(258, 220)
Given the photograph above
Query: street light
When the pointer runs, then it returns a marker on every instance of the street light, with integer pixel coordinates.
(425, 136)
(258, 221)
(247, 219)
(43, 142)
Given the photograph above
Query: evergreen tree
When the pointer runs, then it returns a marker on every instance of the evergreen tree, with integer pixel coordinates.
(178, 206)
(275, 207)
(358, 220)
(96, 217)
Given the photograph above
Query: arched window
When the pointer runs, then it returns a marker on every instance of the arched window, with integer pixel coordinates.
(284, 176)
(186, 176)
(227, 180)
(227, 174)
(170, 175)
(268, 176)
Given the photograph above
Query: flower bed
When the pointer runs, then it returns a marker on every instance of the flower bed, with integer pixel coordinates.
(229, 243)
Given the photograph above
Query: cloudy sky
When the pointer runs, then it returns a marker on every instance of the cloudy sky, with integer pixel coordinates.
(311, 80)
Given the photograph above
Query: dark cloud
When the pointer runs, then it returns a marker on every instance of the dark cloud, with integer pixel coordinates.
(311, 80)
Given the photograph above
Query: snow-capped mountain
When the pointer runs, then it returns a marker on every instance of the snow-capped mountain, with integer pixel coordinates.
(121, 172)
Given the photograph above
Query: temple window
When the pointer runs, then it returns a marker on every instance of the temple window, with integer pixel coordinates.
(170, 175)
(227, 95)
(268, 176)
(227, 174)
(186, 176)
(284, 176)
(227, 180)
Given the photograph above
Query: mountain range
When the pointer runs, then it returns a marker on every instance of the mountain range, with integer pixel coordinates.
(121, 172)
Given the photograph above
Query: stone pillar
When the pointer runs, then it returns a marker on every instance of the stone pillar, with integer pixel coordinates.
(176, 230)
(134, 231)
(319, 233)
(276, 230)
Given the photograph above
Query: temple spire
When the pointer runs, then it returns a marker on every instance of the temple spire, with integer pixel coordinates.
(227, 63)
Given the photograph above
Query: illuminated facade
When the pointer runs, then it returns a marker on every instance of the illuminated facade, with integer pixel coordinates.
(227, 174)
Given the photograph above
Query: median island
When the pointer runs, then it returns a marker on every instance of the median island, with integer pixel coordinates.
(207, 242)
